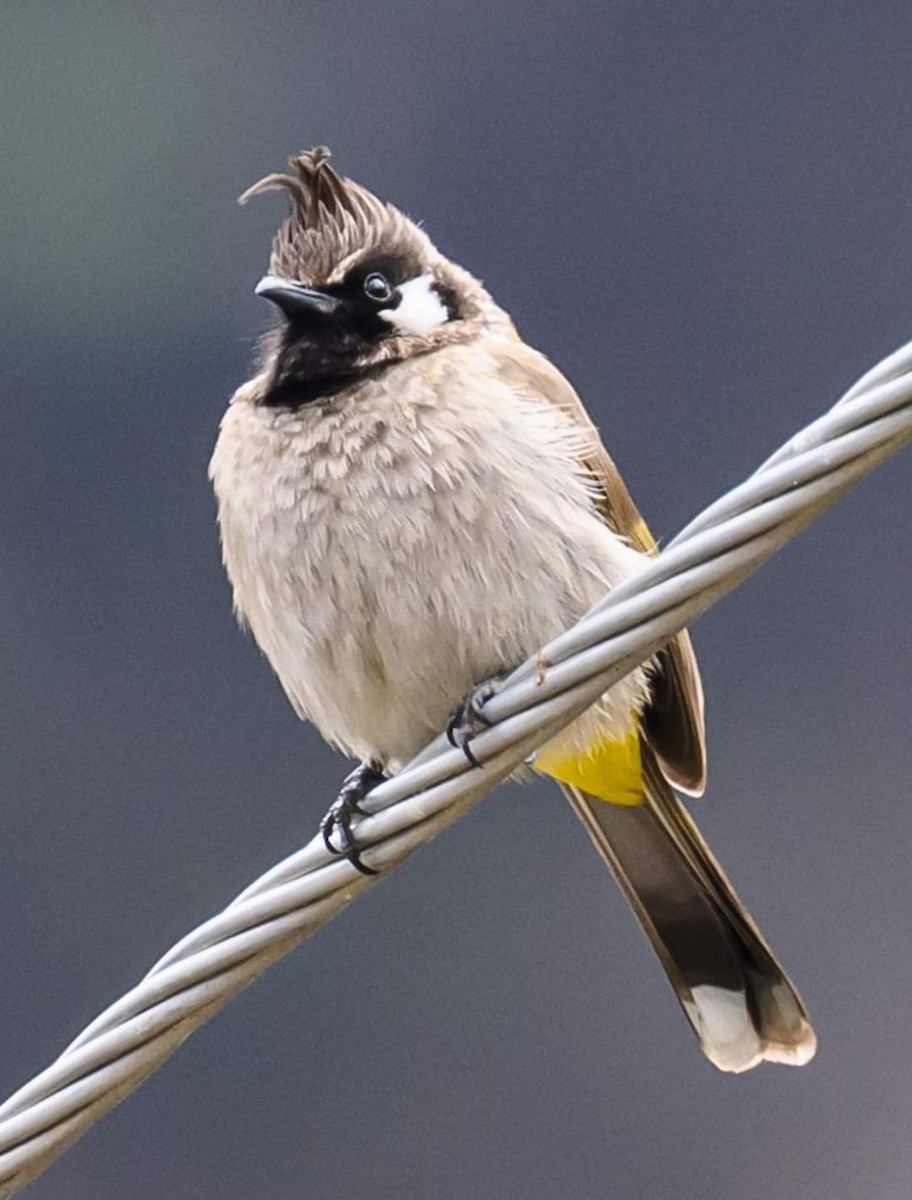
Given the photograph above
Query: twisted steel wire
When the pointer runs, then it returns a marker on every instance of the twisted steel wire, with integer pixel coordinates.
(206, 968)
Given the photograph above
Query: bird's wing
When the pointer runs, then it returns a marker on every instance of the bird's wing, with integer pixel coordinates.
(673, 723)
(740, 1002)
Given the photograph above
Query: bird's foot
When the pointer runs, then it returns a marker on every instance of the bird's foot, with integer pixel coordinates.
(347, 805)
(467, 719)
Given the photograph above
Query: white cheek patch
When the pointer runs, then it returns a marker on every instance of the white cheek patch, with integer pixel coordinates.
(420, 309)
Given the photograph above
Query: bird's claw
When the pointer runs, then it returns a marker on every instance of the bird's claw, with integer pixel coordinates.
(345, 806)
(468, 719)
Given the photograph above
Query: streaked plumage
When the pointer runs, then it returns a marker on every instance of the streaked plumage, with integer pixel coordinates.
(412, 500)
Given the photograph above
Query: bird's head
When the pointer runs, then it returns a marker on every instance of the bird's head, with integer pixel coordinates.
(359, 286)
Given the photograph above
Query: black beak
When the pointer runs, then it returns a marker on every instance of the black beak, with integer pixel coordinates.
(294, 299)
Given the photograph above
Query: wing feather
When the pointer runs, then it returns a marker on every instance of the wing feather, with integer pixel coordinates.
(673, 724)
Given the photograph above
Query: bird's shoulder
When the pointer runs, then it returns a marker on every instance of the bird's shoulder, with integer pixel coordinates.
(529, 372)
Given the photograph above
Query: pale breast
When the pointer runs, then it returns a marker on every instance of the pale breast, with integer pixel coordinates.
(396, 546)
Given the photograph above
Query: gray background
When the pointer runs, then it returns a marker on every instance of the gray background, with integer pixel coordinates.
(703, 213)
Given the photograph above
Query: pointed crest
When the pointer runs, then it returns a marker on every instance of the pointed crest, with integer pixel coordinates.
(332, 218)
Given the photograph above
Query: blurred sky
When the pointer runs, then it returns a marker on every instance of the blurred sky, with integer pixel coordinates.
(702, 213)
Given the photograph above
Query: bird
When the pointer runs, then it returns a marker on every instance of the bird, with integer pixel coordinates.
(411, 501)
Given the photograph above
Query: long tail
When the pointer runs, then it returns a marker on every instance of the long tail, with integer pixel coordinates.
(738, 999)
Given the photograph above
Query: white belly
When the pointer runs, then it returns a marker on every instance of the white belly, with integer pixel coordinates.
(393, 550)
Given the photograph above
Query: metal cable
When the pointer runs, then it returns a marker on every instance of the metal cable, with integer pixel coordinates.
(197, 976)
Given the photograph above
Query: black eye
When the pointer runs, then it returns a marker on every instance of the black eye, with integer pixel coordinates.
(377, 287)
